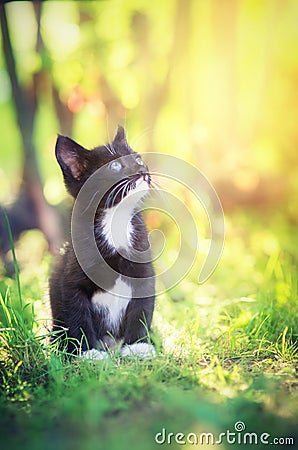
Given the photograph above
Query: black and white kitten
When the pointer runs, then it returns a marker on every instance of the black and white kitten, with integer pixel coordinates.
(91, 317)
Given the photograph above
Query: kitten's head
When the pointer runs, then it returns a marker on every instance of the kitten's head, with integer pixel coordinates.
(123, 168)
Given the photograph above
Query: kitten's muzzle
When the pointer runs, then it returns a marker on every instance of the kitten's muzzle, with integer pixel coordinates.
(142, 175)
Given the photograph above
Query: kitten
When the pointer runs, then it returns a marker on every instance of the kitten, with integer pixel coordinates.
(91, 316)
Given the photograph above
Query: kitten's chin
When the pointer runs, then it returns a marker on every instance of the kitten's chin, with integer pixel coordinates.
(142, 183)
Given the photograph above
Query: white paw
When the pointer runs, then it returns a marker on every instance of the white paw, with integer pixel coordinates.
(140, 349)
(94, 354)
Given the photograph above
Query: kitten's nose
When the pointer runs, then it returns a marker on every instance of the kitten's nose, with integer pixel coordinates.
(140, 168)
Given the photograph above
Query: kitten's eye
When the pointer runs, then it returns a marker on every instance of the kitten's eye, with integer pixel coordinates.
(140, 161)
(115, 166)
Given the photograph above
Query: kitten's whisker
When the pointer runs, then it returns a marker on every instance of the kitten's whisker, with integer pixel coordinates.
(140, 136)
(157, 182)
(121, 188)
(111, 194)
(114, 188)
(113, 151)
(92, 198)
(118, 185)
(157, 189)
(125, 190)
(161, 187)
(156, 185)
(109, 150)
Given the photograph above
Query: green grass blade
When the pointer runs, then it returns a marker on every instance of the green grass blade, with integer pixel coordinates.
(15, 262)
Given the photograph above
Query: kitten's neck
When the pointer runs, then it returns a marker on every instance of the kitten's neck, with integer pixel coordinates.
(117, 228)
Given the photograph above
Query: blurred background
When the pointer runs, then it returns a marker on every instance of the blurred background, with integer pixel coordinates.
(212, 82)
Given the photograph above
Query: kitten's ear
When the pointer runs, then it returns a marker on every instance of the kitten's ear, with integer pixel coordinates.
(71, 157)
(120, 136)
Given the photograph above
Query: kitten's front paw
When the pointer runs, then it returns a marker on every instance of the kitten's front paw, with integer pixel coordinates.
(140, 350)
(94, 354)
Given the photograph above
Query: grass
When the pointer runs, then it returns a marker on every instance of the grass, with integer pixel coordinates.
(228, 353)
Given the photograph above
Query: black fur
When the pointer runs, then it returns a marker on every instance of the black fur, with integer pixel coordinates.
(71, 290)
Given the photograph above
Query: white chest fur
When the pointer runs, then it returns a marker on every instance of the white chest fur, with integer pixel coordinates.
(113, 302)
(117, 226)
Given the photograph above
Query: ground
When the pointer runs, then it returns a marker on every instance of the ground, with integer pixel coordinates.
(226, 366)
